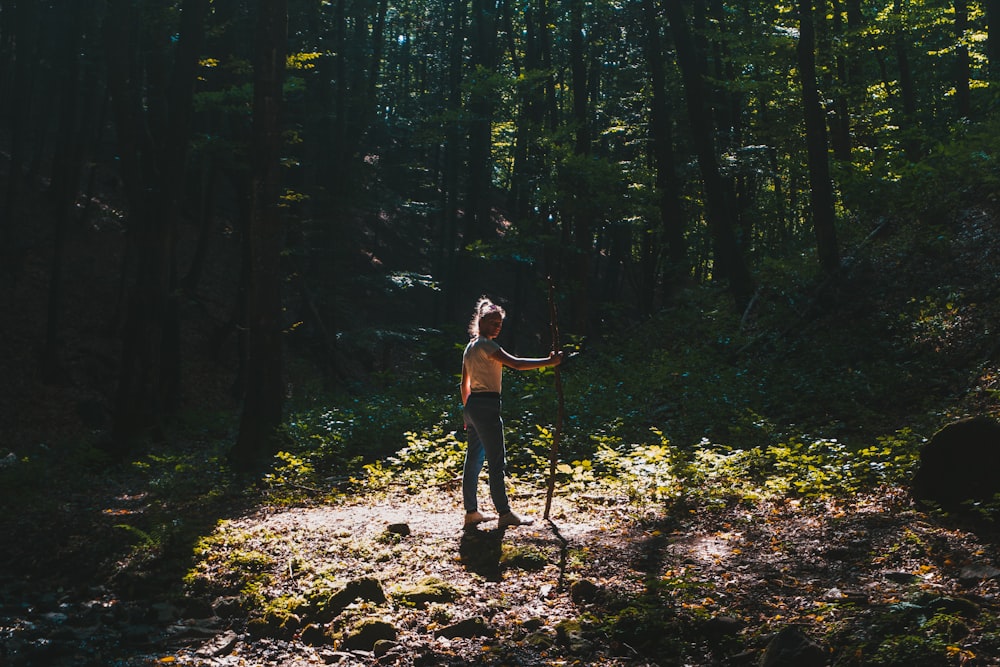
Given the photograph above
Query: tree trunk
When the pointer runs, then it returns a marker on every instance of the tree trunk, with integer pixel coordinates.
(239, 320)
(153, 124)
(730, 100)
(729, 263)
(65, 172)
(850, 76)
(993, 38)
(671, 217)
(651, 247)
(364, 76)
(840, 122)
(530, 118)
(907, 87)
(480, 108)
(821, 185)
(21, 100)
(263, 402)
(583, 217)
(206, 197)
(963, 98)
(378, 49)
(340, 97)
(449, 242)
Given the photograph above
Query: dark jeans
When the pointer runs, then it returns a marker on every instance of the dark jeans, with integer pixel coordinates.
(485, 443)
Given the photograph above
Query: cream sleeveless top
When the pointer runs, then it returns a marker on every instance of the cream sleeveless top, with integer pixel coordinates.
(485, 373)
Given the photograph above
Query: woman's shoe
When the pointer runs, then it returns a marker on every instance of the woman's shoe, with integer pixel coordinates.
(473, 519)
(510, 519)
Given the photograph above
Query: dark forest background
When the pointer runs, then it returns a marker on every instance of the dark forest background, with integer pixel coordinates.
(240, 243)
(308, 196)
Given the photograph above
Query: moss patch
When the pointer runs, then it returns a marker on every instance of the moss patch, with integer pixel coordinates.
(429, 589)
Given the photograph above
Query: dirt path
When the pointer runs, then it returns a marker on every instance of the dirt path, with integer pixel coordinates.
(514, 579)
(603, 584)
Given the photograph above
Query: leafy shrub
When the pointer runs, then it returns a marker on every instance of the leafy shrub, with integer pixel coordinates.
(913, 651)
(429, 459)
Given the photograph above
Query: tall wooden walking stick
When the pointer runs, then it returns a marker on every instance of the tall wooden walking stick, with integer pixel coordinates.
(557, 433)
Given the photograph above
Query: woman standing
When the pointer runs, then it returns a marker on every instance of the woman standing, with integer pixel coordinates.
(482, 370)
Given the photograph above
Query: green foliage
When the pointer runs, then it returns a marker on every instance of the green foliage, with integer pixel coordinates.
(143, 540)
(21, 478)
(290, 471)
(425, 460)
(337, 439)
(425, 591)
(650, 625)
(234, 98)
(825, 468)
(28, 479)
(644, 473)
(337, 433)
(911, 651)
(961, 167)
(435, 450)
(182, 474)
(524, 557)
(322, 433)
(935, 317)
(917, 639)
(234, 562)
(712, 474)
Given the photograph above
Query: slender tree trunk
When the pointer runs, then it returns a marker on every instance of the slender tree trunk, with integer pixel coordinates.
(840, 122)
(992, 8)
(449, 242)
(65, 171)
(907, 87)
(364, 74)
(671, 217)
(375, 67)
(545, 20)
(729, 263)
(820, 182)
(263, 402)
(579, 79)
(340, 104)
(26, 22)
(480, 108)
(854, 82)
(530, 151)
(206, 197)
(7, 45)
(963, 97)
(239, 323)
(583, 218)
(153, 125)
(850, 76)
(730, 103)
(530, 118)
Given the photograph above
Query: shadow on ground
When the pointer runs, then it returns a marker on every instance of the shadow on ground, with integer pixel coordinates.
(480, 552)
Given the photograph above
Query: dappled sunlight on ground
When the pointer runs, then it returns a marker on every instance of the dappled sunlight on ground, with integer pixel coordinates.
(824, 565)
(706, 549)
(400, 539)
